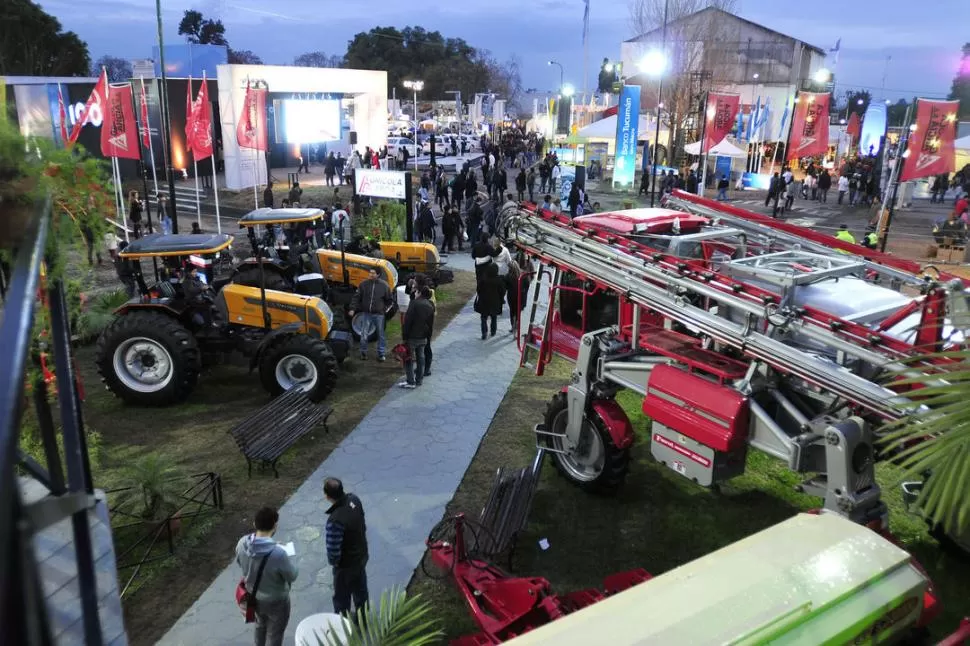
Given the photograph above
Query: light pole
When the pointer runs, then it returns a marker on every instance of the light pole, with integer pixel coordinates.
(562, 73)
(165, 129)
(416, 86)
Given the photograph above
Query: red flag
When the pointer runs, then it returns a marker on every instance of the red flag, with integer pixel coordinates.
(721, 111)
(119, 136)
(853, 128)
(251, 129)
(202, 124)
(145, 130)
(810, 126)
(62, 115)
(189, 116)
(930, 150)
(95, 102)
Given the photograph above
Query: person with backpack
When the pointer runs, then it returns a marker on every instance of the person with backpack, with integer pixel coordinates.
(268, 574)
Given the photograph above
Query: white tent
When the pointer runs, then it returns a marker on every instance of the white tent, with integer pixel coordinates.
(723, 149)
(606, 129)
(962, 144)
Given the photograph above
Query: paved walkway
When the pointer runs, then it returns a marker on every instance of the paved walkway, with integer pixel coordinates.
(405, 461)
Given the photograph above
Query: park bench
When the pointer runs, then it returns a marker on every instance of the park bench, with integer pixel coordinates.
(506, 512)
(266, 435)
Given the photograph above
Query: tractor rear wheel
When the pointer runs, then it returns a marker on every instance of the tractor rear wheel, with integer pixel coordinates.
(148, 358)
(297, 360)
(595, 463)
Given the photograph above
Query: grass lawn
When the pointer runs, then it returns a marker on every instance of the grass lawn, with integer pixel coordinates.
(194, 434)
(658, 520)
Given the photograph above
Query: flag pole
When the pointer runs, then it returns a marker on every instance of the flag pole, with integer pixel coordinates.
(892, 190)
(120, 193)
(255, 178)
(141, 158)
(215, 179)
(704, 153)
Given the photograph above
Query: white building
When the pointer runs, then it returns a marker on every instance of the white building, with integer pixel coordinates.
(731, 54)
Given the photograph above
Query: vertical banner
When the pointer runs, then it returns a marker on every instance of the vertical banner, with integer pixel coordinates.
(62, 116)
(200, 127)
(95, 102)
(810, 126)
(930, 150)
(627, 124)
(119, 133)
(720, 113)
(251, 131)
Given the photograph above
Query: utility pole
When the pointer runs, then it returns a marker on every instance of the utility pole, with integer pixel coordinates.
(166, 126)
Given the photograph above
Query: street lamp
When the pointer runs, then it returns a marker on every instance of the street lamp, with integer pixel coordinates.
(562, 72)
(654, 63)
(823, 76)
(568, 90)
(416, 86)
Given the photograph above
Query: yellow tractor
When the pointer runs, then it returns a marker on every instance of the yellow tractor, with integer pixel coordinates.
(152, 352)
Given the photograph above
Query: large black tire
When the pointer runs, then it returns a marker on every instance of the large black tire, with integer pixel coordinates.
(249, 277)
(292, 358)
(150, 341)
(608, 473)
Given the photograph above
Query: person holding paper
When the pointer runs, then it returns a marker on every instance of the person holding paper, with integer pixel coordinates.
(260, 557)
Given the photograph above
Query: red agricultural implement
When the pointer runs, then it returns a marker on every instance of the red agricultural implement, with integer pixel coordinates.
(740, 332)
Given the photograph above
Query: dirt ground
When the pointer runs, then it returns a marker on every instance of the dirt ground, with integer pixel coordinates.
(657, 521)
(194, 434)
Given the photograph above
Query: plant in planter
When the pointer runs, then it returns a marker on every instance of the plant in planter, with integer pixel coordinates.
(98, 312)
(397, 620)
(155, 486)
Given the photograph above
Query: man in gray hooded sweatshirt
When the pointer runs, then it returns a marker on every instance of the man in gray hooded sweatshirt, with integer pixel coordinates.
(273, 593)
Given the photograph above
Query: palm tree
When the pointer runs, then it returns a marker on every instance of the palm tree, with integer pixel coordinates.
(398, 620)
(932, 441)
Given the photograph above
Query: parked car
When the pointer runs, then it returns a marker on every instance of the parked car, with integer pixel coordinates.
(394, 145)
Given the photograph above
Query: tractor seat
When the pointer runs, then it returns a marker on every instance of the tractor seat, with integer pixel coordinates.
(165, 289)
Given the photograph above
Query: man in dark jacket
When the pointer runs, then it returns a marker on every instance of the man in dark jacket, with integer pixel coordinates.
(346, 547)
(295, 192)
(372, 300)
(458, 190)
(417, 330)
(268, 196)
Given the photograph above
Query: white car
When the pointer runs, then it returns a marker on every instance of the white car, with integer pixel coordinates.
(394, 145)
(442, 144)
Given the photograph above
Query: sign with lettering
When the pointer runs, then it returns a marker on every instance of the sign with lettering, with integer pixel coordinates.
(627, 125)
(721, 111)
(810, 125)
(381, 183)
(930, 148)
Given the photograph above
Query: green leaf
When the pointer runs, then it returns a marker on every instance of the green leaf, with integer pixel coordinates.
(397, 620)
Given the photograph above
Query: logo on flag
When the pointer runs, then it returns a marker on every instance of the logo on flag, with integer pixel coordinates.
(251, 129)
(199, 136)
(810, 126)
(118, 131)
(720, 114)
(931, 145)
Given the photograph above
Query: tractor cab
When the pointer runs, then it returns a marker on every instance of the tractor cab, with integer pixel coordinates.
(285, 246)
(175, 254)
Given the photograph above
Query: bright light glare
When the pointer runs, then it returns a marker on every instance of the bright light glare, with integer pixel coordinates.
(417, 86)
(568, 90)
(654, 63)
(822, 76)
(608, 67)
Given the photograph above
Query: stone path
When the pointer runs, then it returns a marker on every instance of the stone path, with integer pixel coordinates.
(405, 461)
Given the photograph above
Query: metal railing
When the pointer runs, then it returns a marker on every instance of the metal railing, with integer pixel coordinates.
(204, 493)
(25, 614)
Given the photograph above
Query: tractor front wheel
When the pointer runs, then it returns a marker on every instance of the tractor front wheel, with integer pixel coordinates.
(594, 463)
(297, 360)
(148, 358)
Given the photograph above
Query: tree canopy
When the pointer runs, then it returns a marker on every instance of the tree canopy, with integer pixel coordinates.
(961, 85)
(318, 59)
(118, 68)
(444, 64)
(200, 30)
(32, 43)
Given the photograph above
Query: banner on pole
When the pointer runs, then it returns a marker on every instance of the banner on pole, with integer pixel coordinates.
(62, 115)
(146, 135)
(810, 125)
(96, 102)
(200, 135)
(627, 124)
(189, 116)
(118, 131)
(720, 113)
(930, 150)
(251, 130)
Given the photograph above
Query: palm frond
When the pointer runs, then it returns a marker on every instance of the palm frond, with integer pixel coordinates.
(931, 440)
(397, 620)
(99, 313)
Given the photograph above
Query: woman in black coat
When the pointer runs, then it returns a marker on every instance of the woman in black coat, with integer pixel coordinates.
(488, 301)
(520, 185)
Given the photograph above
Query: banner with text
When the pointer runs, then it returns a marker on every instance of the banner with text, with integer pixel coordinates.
(119, 134)
(810, 126)
(930, 149)
(722, 110)
(627, 124)
(251, 128)
(381, 183)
